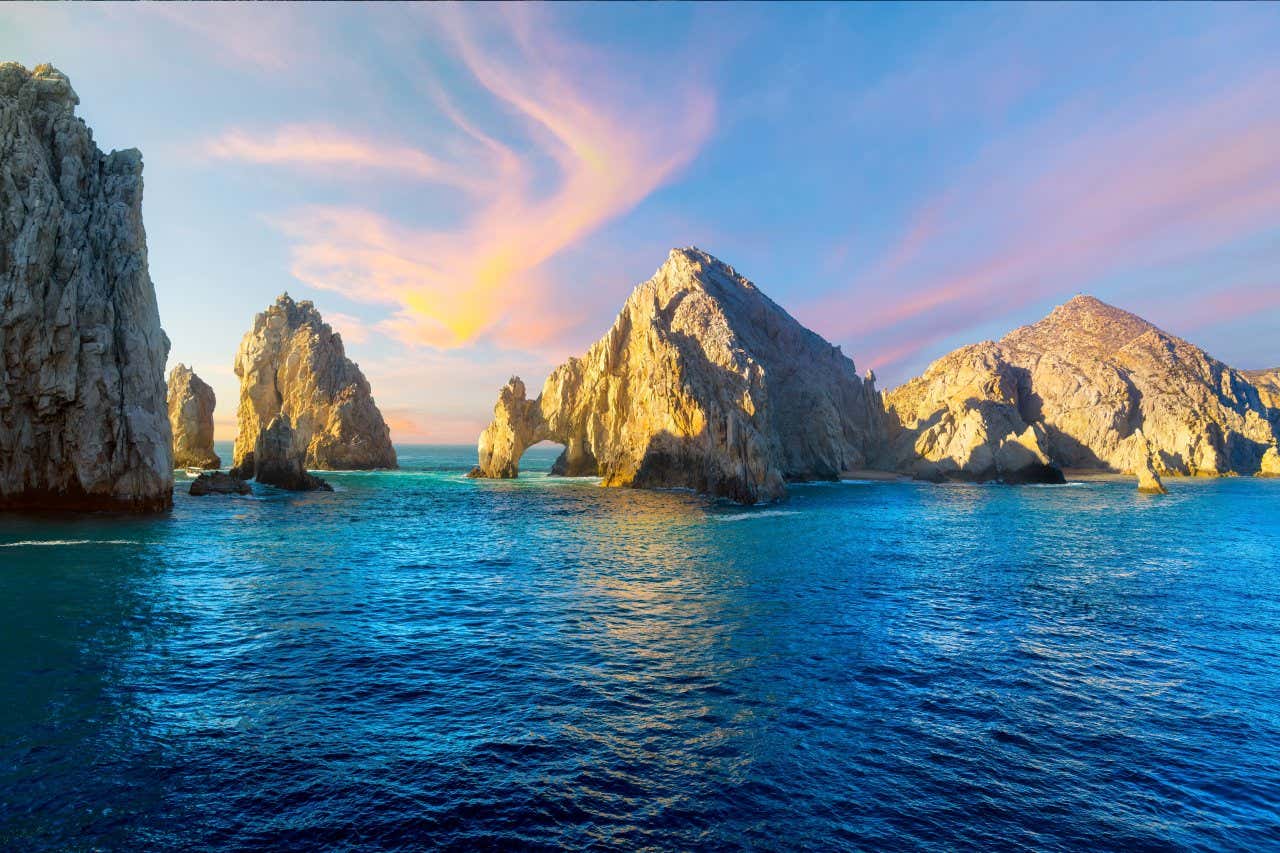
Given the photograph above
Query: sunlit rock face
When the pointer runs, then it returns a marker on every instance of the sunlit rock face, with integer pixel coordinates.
(191, 403)
(1268, 384)
(291, 363)
(83, 422)
(704, 383)
(1099, 387)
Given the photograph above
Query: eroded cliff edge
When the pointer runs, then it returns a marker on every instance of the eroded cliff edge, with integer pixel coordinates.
(1089, 386)
(703, 382)
(83, 420)
(291, 363)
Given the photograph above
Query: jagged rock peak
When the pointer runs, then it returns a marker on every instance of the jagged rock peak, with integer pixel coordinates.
(1107, 389)
(291, 362)
(191, 405)
(702, 382)
(83, 420)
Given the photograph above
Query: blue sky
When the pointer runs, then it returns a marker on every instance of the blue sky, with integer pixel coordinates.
(471, 192)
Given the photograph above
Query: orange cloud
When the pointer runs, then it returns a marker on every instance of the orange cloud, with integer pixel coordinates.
(609, 149)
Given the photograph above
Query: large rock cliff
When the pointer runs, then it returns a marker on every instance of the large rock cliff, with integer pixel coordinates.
(83, 422)
(191, 403)
(292, 363)
(1096, 387)
(703, 382)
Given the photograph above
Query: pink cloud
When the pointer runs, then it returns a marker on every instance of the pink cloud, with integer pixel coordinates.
(609, 148)
(1138, 192)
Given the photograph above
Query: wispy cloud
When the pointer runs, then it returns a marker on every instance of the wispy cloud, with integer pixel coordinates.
(588, 151)
(1080, 204)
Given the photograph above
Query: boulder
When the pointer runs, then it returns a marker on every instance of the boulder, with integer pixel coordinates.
(279, 459)
(83, 421)
(218, 483)
(191, 403)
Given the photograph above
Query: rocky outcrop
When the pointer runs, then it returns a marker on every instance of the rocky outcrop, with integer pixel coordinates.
(278, 459)
(704, 383)
(191, 403)
(1268, 384)
(82, 393)
(1270, 463)
(292, 364)
(218, 483)
(1099, 387)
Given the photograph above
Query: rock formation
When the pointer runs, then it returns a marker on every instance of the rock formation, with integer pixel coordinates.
(291, 363)
(278, 459)
(82, 392)
(703, 383)
(218, 483)
(1268, 384)
(191, 403)
(1270, 463)
(1098, 387)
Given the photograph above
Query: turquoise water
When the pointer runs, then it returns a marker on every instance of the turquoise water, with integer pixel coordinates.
(422, 661)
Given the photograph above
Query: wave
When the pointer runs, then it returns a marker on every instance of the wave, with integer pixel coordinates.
(764, 513)
(35, 543)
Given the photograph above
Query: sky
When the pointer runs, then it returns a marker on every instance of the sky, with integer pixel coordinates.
(470, 192)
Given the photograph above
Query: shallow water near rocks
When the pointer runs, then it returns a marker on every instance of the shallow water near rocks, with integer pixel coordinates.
(421, 660)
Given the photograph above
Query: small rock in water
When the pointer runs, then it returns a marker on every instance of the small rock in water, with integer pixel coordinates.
(218, 483)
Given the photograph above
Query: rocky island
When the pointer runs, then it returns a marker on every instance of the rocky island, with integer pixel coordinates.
(293, 368)
(191, 404)
(1090, 386)
(83, 419)
(703, 382)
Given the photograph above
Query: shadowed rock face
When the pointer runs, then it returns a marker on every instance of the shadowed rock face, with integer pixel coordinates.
(217, 483)
(278, 460)
(1098, 387)
(703, 383)
(291, 363)
(191, 403)
(83, 422)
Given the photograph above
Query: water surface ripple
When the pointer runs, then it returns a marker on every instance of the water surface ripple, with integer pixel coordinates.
(422, 661)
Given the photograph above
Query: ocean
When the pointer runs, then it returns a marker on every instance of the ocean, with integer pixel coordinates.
(421, 661)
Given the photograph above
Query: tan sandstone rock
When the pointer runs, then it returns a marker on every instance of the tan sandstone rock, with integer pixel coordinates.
(191, 403)
(1270, 463)
(704, 383)
(83, 422)
(291, 363)
(1108, 390)
(278, 459)
(1268, 384)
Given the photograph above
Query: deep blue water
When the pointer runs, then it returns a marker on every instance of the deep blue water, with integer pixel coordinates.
(422, 661)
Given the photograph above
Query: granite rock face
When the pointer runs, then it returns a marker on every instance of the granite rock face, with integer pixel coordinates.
(83, 422)
(191, 403)
(278, 459)
(1268, 384)
(1270, 463)
(218, 483)
(704, 383)
(292, 364)
(1099, 387)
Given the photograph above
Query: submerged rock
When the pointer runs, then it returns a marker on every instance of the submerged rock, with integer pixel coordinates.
(1102, 388)
(191, 403)
(218, 483)
(703, 382)
(83, 422)
(279, 459)
(292, 364)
